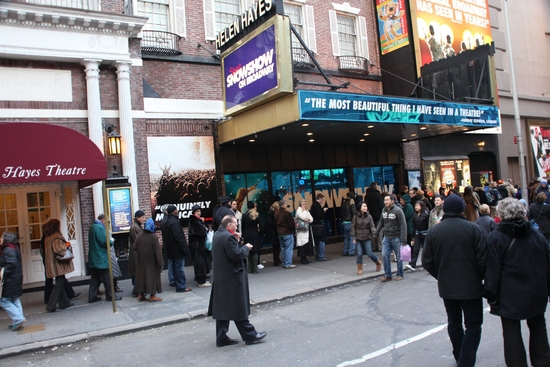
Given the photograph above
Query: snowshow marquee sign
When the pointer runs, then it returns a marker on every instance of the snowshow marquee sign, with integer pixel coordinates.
(368, 108)
(258, 68)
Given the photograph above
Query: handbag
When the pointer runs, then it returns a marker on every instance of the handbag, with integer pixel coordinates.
(301, 225)
(209, 238)
(317, 229)
(405, 253)
(68, 253)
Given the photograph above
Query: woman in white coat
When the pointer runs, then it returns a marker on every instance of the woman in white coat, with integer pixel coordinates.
(304, 240)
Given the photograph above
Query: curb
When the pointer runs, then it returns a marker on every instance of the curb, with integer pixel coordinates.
(139, 326)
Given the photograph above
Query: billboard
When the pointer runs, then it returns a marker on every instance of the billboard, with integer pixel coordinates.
(540, 144)
(392, 25)
(314, 105)
(446, 28)
(182, 172)
(258, 68)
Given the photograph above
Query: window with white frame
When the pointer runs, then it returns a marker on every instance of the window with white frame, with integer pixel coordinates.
(226, 12)
(347, 35)
(164, 15)
(348, 32)
(158, 13)
(302, 18)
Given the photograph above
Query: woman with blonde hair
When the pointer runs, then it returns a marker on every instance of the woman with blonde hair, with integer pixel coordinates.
(56, 244)
(251, 234)
(303, 236)
(271, 236)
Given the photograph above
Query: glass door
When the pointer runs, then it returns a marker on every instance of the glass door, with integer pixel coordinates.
(23, 212)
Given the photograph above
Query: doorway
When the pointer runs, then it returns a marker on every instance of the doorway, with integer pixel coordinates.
(23, 211)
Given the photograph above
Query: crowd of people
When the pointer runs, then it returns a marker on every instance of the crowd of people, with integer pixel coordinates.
(481, 243)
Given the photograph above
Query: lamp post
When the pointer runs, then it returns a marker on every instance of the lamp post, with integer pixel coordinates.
(522, 171)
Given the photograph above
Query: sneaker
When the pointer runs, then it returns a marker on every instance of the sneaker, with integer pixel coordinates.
(410, 267)
(204, 285)
(398, 278)
(291, 266)
(385, 279)
(260, 266)
(18, 326)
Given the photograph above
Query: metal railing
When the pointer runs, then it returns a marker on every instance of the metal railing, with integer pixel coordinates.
(300, 57)
(354, 63)
(160, 43)
(74, 4)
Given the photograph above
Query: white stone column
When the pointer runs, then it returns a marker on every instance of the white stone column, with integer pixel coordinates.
(95, 126)
(128, 151)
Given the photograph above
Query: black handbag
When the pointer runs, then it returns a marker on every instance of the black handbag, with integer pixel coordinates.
(317, 229)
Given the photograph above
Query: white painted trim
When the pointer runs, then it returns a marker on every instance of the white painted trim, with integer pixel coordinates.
(183, 106)
(136, 62)
(346, 8)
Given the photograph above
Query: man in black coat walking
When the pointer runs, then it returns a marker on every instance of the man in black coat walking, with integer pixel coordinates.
(175, 244)
(230, 298)
(455, 255)
(223, 210)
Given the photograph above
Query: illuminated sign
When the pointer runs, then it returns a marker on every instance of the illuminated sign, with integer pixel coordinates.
(381, 109)
(445, 28)
(258, 68)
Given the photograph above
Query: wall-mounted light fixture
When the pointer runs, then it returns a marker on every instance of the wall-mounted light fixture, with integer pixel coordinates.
(113, 139)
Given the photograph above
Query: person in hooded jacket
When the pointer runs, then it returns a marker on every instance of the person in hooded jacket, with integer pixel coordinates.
(149, 263)
(11, 272)
(202, 258)
(517, 253)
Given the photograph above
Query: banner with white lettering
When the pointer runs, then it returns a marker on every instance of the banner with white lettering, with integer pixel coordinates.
(250, 70)
(371, 108)
(182, 172)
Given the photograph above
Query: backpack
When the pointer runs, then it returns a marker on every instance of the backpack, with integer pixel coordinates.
(493, 197)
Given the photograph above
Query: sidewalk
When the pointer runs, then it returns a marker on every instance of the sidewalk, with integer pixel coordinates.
(85, 321)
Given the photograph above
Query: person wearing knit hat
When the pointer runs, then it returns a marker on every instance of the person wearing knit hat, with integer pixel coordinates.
(454, 204)
(543, 187)
(455, 254)
(135, 230)
(517, 283)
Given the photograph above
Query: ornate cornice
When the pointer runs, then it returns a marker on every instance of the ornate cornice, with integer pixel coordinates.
(32, 15)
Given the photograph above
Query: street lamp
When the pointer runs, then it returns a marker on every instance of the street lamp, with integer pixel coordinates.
(113, 139)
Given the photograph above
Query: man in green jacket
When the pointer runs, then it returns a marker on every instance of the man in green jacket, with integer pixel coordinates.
(98, 262)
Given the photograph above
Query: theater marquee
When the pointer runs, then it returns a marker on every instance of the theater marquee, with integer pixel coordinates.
(258, 68)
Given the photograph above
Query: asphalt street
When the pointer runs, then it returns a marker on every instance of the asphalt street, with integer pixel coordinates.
(367, 323)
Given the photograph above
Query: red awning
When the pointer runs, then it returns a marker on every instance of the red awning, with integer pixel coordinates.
(40, 152)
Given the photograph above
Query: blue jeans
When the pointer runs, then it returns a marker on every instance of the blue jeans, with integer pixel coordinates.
(320, 250)
(389, 244)
(349, 248)
(287, 247)
(178, 266)
(170, 273)
(465, 343)
(13, 307)
(364, 247)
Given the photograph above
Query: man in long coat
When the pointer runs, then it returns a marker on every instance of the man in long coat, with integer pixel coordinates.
(230, 299)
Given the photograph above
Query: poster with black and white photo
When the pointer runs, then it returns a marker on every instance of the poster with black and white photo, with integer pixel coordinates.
(182, 172)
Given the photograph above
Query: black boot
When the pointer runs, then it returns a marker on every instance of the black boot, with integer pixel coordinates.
(304, 260)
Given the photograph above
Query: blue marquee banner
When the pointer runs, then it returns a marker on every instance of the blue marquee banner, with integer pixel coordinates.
(315, 105)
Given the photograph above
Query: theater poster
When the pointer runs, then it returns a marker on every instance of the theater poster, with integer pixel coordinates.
(540, 144)
(392, 24)
(446, 28)
(182, 173)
